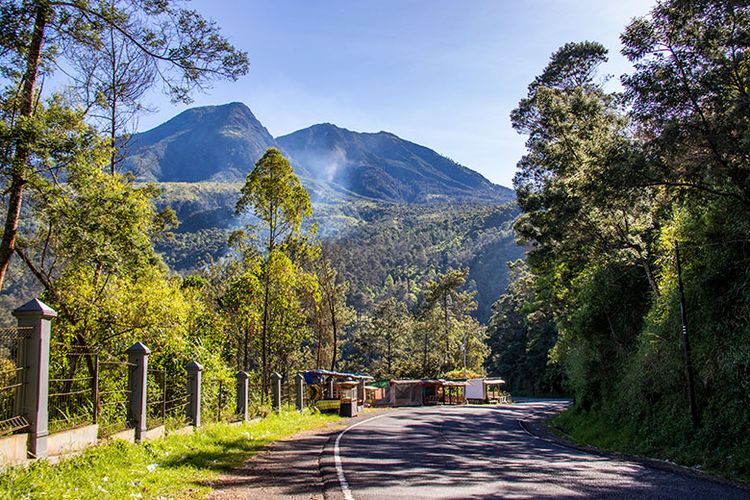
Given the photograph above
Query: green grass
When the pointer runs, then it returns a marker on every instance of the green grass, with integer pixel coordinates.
(588, 429)
(731, 461)
(178, 466)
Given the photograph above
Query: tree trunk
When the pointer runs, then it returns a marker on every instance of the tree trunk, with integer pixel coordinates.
(23, 150)
(264, 344)
(335, 333)
(115, 90)
(447, 340)
(650, 276)
(424, 358)
(390, 373)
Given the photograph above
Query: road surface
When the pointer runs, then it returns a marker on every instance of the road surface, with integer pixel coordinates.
(487, 452)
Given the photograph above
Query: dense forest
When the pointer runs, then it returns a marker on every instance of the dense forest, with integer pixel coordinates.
(636, 207)
(403, 244)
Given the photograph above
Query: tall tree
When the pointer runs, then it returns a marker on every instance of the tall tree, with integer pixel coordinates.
(444, 294)
(689, 94)
(188, 50)
(575, 184)
(111, 80)
(331, 314)
(274, 194)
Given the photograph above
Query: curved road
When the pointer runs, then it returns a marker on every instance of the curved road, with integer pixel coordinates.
(485, 452)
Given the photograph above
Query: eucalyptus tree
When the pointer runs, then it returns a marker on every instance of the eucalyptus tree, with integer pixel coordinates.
(186, 50)
(331, 315)
(444, 294)
(276, 197)
(576, 183)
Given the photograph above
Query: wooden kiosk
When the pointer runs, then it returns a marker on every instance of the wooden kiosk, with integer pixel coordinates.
(349, 400)
(324, 388)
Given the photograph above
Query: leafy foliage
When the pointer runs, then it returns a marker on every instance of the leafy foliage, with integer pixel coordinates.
(610, 184)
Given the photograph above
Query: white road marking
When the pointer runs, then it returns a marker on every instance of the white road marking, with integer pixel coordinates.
(337, 458)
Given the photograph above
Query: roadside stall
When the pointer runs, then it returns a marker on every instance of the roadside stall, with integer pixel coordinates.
(323, 388)
(485, 390)
(376, 394)
(427, 392)
(406, 393)
(454, 392)
(494, 391)
(433, 391)
(348, 396)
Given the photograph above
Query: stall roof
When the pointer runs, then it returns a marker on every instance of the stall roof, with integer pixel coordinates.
(439, 381)
(329, 373)
(454, 383)
(493, 381)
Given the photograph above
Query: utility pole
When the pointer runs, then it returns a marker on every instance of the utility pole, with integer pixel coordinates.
(686, 342)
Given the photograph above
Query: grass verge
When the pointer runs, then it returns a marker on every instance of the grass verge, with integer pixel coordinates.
(178, 466)
(592, 429)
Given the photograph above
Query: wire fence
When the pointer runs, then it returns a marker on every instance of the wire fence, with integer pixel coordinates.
(112, 396)
(11, 379)
(219, 401)
(72, 386)
(156, 389)
(167, 399)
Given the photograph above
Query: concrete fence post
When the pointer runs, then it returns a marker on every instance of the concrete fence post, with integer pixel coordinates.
(36, 316)
(276, 392)
(299, 387)
(137, 380)
(242, 401)
(194, 370)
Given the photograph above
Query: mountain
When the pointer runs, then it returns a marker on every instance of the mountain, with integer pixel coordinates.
(219, 143)
(383, 166)
(222, 143)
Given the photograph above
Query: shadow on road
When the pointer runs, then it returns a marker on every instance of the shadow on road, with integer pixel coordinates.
(483, 452)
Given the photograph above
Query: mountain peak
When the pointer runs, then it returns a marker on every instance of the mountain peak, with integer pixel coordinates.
(220, 142)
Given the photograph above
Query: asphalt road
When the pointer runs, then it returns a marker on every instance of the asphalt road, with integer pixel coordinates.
(486, 452)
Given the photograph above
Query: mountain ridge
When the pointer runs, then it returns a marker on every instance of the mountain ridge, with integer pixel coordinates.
(221, 143)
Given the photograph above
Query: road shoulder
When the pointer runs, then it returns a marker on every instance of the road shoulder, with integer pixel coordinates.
(290, 468)
(541, 429)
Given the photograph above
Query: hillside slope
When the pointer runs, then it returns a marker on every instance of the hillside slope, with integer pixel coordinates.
(222, 143)
(384, 166)
(375, 243)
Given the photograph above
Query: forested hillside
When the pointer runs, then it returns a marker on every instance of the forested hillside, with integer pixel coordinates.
(636, 205)
(374, 242)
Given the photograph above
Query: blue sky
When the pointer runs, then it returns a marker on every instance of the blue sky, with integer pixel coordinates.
(445, 74)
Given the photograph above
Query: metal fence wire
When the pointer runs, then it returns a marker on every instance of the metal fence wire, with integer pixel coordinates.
(12, 368)
(112, 396)
(72, 386)
(219, 401)
(167, 398)
(155, 398)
